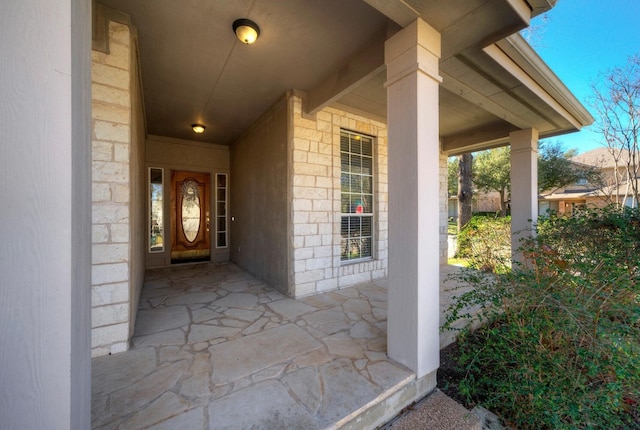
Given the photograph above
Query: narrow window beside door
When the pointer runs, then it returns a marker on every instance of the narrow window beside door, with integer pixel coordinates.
(221, 210)
(156, 224)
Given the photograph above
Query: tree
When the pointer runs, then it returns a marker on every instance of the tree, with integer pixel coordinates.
(617, 104)
(458, 174)
(465, 189)
(534, 34)
(492, 172)
(452, 176)
(555, 170)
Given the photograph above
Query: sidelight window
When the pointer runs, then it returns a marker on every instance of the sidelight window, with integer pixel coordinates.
(156, 224)
(221, 210)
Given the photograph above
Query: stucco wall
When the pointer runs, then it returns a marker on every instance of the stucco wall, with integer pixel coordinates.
(259, 192)
(117, 142)
(315, 201)
(138, 192)
(190, 156)
(45, 370)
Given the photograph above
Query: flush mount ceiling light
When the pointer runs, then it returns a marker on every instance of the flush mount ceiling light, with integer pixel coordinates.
(246, 30)
(198, 128)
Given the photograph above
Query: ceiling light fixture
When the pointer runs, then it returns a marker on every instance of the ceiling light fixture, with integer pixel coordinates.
(198, 128)
(246, 30)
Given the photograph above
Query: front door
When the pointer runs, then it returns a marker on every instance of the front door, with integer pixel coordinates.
(190, 216)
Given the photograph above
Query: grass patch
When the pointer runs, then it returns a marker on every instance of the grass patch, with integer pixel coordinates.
(486, 243)
(460, 262)
(452, 228)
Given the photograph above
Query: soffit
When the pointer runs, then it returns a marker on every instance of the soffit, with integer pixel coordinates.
(195, 70)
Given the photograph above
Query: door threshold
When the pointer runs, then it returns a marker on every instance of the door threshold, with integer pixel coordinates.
(190, 260)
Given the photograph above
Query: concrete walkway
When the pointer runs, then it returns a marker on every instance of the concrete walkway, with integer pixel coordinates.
(215, 348)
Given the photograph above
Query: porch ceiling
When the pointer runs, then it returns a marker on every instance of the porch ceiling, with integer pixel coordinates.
(195, 70)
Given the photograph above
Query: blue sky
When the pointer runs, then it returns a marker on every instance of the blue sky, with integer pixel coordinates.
(582, 39)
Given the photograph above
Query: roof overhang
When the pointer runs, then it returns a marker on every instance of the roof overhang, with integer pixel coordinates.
(195, 70)
(531, 96)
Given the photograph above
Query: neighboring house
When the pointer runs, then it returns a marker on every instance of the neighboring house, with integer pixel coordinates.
(586, 194)
(480, 202)
(322, 165)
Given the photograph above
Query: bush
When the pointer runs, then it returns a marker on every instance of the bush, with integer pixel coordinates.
(486, 242)
(561, 342)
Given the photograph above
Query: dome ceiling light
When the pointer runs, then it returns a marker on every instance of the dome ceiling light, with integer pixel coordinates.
(198, 128)
(246, 30)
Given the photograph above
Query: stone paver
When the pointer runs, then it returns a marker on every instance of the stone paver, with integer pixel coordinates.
(250, 354)
(161, 319)
(265, 405)
(216, 348)
(290, 309)
(346, 390)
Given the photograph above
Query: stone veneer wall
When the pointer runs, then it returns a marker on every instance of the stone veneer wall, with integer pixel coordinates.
(315, 200)
(117, 125)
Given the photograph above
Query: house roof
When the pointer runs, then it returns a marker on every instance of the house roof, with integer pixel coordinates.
(194, 69)
(601, 158)
(624, 188)
(566, 196)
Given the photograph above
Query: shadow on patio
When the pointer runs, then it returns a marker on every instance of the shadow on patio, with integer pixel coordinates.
(216, 348)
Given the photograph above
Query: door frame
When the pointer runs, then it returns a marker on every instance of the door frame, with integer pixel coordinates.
(182, 249)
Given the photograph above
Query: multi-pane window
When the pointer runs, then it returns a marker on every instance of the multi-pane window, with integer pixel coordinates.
(221, 210)
(356, 181)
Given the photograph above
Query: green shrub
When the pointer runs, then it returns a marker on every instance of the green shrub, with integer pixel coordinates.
(486, 243)
(561, 345)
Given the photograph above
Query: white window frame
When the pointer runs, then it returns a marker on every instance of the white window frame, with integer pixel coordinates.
(155, 227)
(222, 216)
(631, 202)
(355, 240)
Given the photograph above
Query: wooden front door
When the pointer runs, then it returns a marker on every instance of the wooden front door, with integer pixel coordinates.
(190, 216)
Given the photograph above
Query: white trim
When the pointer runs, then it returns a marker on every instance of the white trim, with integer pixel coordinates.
(517, 52)
(516, 71)
(371, 214)
(226, 211)
(149, 212)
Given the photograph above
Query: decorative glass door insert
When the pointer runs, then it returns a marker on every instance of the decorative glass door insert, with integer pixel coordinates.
(190, 222)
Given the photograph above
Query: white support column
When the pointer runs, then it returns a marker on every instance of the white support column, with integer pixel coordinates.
(524, 186)
(45, 233)
(412, 85)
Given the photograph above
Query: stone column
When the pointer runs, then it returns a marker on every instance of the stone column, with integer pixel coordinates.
(524, 186)
(412, 84)
(111, 188)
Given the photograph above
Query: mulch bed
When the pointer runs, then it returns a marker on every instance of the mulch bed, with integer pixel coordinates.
(449, 375)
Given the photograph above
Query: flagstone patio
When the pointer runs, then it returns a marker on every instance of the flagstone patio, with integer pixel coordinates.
(216, 348)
